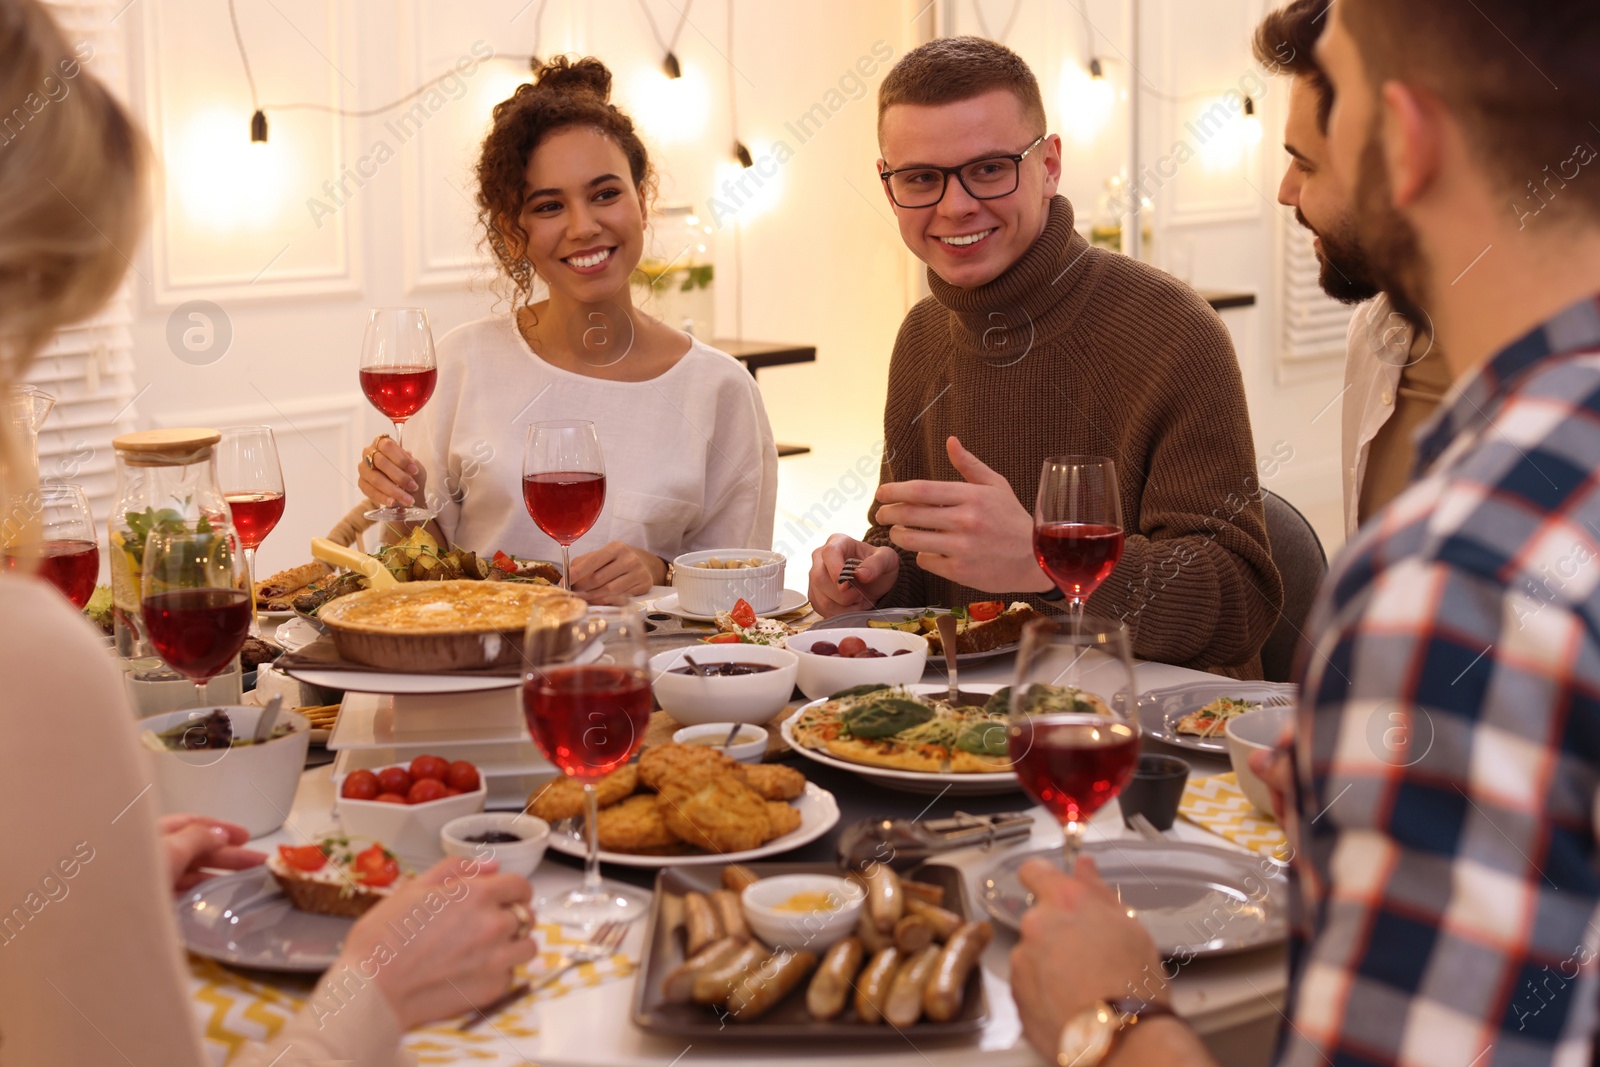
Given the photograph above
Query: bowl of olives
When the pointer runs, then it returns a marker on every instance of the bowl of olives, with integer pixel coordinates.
(834, 660)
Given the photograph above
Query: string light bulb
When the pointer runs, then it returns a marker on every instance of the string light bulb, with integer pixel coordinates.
(258, 127)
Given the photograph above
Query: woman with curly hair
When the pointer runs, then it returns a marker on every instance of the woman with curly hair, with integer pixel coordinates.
(564, 191)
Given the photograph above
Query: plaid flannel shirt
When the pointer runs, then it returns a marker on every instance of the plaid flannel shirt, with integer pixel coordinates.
(1449, 733)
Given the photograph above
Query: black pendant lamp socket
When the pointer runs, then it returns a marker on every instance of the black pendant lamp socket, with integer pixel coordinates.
(1249, 105)
(742, 154)
(258, 127)
(671, 66)
(1096, 70)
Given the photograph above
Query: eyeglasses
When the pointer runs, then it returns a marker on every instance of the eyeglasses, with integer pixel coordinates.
(983, 179)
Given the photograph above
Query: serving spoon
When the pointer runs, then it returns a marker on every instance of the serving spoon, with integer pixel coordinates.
(948, 638)
(699, 670)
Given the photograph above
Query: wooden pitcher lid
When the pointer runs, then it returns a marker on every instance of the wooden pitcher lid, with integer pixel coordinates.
(163, 447)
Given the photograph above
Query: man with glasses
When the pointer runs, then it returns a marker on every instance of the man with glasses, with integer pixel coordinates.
(1034, 344)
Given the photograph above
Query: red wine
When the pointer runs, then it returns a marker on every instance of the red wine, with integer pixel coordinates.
(254, 515)
(564, 504)
(587, 720)
(198, 631)
(1077, 556)
(399, 392)
(70, 566)
(1073, 763)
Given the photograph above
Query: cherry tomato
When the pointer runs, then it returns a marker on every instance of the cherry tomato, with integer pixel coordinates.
(462, 776)
(424, 790)
(723, 639)
(360, 785)
(451, 791)
(852, 646)
(390, 798)
(984, 610)
(375, 867)
(429, 767)
(302, 857)
(743, 614)
(394, 780)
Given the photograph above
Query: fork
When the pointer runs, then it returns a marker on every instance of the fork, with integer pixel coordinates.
(847, 575)
(603, 943)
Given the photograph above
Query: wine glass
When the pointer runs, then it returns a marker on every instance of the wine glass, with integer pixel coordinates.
(1077, 525)
(67, 555)
(589, 719)
(398, 374)
(1071, 736)
(563, 483)
(252, 483)
(195, 607)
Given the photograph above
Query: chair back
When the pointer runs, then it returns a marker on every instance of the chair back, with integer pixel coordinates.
(1301, 562)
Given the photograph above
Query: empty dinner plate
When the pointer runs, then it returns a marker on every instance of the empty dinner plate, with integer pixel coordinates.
(1194, 900)
(246, 920)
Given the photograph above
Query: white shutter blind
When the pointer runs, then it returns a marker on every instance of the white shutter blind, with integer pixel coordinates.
(1314, 325)
(88, 367)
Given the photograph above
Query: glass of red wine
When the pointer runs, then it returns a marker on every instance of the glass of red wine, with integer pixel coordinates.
(193, 598)
(252, 482)
(1077, 525)
(588, 718)
(398, 374)
(563, 483)
(67, 554)
(1072, 737)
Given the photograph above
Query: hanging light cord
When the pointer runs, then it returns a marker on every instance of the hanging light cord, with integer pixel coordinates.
(668, 48)
(238, 39)
(983, 25)
(738, 223)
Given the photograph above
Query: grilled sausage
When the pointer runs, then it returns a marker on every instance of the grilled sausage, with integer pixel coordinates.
(700, 923)
(872, 938)
(912, 934)
(763, 987)
(944, 922)
(678, 986)
(737, 878)
(713, 986)
(730, 914)
(830, 986)
(928, 894)
(886, 901)
(941, 997)
(904, 1006)
(872, 987)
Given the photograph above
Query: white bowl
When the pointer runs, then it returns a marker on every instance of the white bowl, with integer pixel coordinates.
(703, 591)
(813, 929)
(514, 857)
(1255, 731)
(749, 744)
(752, 698)
(822, 676)
(411, 830)
(252, 785)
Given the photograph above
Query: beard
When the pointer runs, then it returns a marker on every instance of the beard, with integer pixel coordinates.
(1394, 254)
(1346, 275)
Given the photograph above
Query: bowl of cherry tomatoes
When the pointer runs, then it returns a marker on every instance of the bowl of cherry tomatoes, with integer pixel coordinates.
(405, 805)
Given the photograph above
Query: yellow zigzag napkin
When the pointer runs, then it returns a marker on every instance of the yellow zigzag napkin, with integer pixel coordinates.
(1219, 805)
(234, 1008)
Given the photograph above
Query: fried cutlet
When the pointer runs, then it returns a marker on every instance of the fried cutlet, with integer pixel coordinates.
(681, 763)
(774, 781)
(563, 797)
(781, 819)
(635, 825)
(719, 815)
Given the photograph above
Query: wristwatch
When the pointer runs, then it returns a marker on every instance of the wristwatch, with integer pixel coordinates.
(1087, 1038)
(671, 570)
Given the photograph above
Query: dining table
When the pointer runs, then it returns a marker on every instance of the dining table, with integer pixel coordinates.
(1235, 1002)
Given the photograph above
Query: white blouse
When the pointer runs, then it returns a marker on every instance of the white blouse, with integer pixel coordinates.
(689, 456)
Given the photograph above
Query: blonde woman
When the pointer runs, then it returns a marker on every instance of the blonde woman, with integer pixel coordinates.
(90, 963)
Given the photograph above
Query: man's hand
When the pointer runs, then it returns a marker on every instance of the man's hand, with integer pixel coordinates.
(880, 566)
(613, 573)
(1078, 946)
(974, 532)
(193, 842)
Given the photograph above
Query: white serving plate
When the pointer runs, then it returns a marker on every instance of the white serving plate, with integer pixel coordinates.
(420, 684)
(790, 601)
(1161, 709)
(368, 720)
(819, 811)
(956, 785)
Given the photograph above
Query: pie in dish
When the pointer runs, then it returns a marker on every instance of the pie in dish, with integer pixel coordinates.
(443, 626)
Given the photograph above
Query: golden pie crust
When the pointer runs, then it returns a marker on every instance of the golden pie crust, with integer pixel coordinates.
(424, 627)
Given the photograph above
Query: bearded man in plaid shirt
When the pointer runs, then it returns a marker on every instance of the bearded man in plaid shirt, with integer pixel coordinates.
(1446, 770)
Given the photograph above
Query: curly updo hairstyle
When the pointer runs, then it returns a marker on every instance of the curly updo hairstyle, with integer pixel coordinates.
(564, 92)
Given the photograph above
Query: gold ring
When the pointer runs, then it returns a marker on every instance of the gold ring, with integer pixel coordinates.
(524, 922)
(368, 457)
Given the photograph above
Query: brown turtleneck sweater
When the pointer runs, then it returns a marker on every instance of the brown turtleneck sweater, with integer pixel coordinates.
(1078, 350)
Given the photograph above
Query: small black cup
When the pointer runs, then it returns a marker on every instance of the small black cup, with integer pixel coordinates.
(1155, 790)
